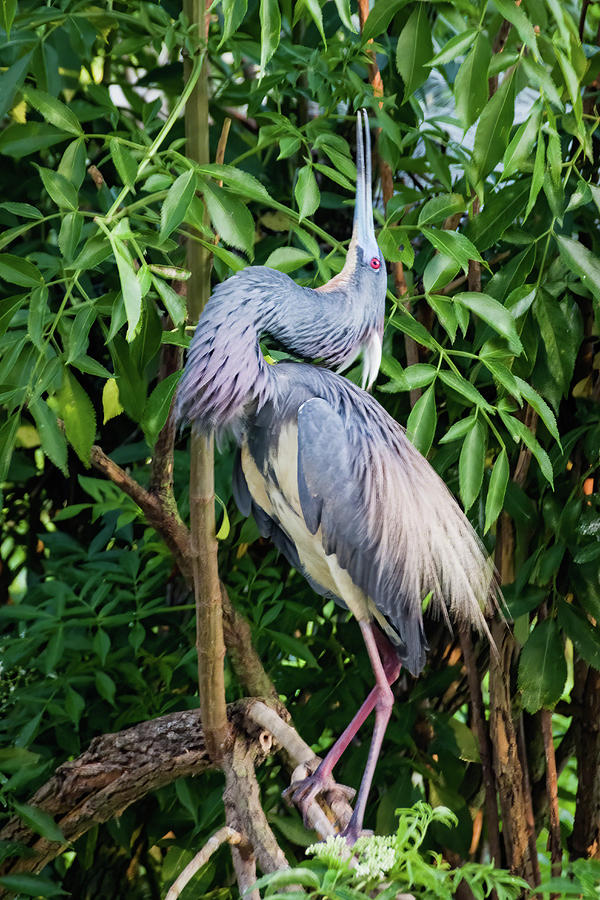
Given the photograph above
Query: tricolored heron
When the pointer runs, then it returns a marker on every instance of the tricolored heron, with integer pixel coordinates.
(327, 474)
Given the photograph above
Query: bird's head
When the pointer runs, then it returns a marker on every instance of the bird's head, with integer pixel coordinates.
(364, 258)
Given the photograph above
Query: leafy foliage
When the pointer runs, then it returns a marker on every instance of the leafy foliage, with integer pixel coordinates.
(489, 132)
(393, 865)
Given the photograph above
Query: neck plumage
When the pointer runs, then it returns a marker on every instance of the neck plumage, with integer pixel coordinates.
(226, 373)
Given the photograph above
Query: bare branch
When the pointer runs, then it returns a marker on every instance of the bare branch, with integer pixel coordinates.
(166, 521)
(222, 836)
(119, 769)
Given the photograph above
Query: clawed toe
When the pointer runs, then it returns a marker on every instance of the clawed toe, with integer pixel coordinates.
(302, 793)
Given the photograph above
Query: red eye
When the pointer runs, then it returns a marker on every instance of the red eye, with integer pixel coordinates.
(375, 263)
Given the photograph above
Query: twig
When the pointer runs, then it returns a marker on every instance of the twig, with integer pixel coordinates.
(491, 807)
(554, 840)
(166, 521)
(223, 835)
(304, 762)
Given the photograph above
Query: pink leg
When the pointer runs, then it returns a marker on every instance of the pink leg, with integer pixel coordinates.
(383, 709)
(303, 793)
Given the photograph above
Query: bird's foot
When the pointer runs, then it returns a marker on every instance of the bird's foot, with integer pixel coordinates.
(302, 793)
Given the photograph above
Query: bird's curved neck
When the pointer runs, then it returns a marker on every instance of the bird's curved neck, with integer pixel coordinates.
(226, 374)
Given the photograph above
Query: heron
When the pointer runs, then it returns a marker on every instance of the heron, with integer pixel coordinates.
(330, 478)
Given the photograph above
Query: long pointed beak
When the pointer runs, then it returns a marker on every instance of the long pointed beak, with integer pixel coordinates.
(363, 230)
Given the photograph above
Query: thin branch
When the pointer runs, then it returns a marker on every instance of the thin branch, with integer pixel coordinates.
(554, 839)
(304, 762)
(477, 710)
(166, 521)
(223, 835)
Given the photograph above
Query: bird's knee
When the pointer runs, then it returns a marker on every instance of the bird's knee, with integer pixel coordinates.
(385, 700)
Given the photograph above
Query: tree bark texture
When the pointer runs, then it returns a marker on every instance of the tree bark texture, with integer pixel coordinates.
(585, 839)
(120, 769)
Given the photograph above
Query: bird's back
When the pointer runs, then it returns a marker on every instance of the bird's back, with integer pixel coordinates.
(333, 480)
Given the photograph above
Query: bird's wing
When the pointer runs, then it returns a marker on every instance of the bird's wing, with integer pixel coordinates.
(334, 481)
(389, 518)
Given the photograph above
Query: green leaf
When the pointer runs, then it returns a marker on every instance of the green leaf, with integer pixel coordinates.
(493, 131)
(225, 527)
(174, 304)
(446, 313)
(244, 183)
(517, 17)
(314, 10)
(538, 76)
(61, 191)
(288, 259)
(17, 270)
(306, 192)
(76, 410)
(518, 153)
(542, 668)
(492, 312)
(581, 632)
(454, 245)
(420, 427)
(457, 431)
(8, 437)
(72, 163)
(439, 271)
(230, 218)
(520, 432)
(345, 14)
(380, 16)
(31, 885)
(158, 406)
(582, 262)
(439, 208)
(12, 79)
(69, 234)
(130, 286)
(561, 331)
(414, 50)
(54, 111)
(111, 405)
(455, 46)
(270, 30)
(176, 203)
(496, 490)
(125, 164)
(404, 322)
(293, 647)
(540, 406)
(106, 687)
(52, 438)
(233, 15)
(24, 210)
(500, 210)
(471, 82)
(38, 310)
(101, 645)
(22, 140)
(538, 173)
(40, 822)
(465, 388)
(8, 11)
(471, 464)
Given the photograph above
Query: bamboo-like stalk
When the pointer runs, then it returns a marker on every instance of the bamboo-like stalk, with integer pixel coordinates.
(207, 592)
